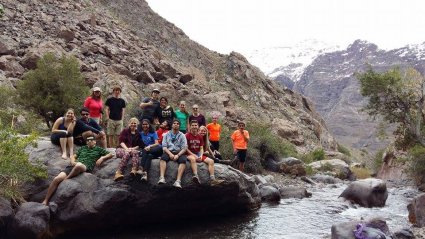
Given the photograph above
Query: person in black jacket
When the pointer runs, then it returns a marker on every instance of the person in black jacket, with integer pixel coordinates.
(86, 127)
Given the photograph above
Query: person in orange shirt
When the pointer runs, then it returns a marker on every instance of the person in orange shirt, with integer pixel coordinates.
(240, 139)
(214, 130)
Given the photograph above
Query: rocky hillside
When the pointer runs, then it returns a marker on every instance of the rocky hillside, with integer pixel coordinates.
(126, 42)
(331, 84)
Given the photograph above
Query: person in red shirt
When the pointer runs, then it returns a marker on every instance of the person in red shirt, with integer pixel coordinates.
(240, 139)
(214, 130)
(164, 127)
(195, 153)
(95, 105)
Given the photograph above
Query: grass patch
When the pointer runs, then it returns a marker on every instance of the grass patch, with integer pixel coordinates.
(361, 173)
(342, 149)
(316, 155)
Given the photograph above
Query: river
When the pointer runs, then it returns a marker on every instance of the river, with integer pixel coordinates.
(307, 218)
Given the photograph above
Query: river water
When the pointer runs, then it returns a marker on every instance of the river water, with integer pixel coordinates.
(307, 218)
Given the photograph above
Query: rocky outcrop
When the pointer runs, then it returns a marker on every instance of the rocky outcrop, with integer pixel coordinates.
(374, 228)
(367, 192)
(336, 167)
(291, 166)
(416, 210)
(129, 43)
(95, 201)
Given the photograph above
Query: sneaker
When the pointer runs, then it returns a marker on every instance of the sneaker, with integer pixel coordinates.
(139, 172)
(118, 176)
(145, 177)
(215, 182)
(195, 179)
(161, 180)
(133, 172)
(177, 184)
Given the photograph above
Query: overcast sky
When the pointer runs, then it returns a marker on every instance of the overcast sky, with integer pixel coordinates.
(245, 25)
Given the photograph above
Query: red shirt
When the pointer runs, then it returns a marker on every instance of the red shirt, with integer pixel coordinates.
(94, 106)
(161, 132)
(194, 142)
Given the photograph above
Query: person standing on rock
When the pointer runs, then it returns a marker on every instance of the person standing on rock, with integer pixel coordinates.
(115, 108)
(174, 146)
(85, 160)
(95, 105)
(195, 153)
(197, 116)
(150, 107)
(182, 116)
(240, 139)
(62, 133)
(214, 130)
(151, 149)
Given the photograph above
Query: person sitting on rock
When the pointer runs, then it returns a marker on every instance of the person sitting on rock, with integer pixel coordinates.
(214, 130)
(85, 160)
(164, 127)
(174, 146)
(62, 133)
(86, 127)
(129, 144)
(240, 139)
(195, 153)
(197, 116)
(152, 148)
(150, 107)
(208, 149)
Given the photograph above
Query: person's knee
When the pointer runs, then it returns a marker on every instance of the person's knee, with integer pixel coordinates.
(80, 167)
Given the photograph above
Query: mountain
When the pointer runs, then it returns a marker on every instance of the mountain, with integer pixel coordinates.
(287, 63)
(125, 42)
(330, 82)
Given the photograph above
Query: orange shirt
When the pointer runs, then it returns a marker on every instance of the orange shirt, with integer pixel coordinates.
(214, 130)
(238, 139)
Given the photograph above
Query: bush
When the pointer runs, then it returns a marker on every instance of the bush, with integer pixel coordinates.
(344, 150)
(53, 87)
(360, 173)
(263, 144)
(316, 155)
(417, 164)
(15, 168)
(377, 161)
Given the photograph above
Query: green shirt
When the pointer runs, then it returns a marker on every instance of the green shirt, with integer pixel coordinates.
(182, 117)
(89, 156)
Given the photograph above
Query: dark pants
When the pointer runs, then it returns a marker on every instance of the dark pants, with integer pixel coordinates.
(55, 137)
(180, 160)
(241, 155)
(215, 145)
(147, 156)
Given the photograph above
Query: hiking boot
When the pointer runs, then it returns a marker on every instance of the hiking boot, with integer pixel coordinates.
(145, 177)
(215, 182)
(139, 172)
(118, 175)
(161, 180)
(195, 179)
(133, 171)
(177, 184)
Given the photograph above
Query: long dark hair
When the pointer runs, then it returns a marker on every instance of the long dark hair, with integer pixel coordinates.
(151, 129)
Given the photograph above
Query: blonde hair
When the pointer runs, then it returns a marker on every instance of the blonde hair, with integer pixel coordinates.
(206, 138)
(133, 120)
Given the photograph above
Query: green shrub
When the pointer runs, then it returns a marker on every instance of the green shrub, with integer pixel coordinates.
(15, 168)
(360, 173)
(344, 150)
(263, 144)
(53, 87)
(316, 155)
(417, 164)
(377, 161)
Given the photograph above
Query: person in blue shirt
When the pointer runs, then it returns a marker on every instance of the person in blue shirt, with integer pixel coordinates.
(152, 148)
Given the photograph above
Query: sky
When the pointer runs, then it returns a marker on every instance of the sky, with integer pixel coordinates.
(247, 25)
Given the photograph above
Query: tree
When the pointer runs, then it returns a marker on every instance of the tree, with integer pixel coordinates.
(53, 87)
(398, 96)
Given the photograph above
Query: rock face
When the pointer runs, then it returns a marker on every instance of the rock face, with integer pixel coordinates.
(330, 82)
(368, 192)
(118, 40)
(97, 199)
(417, 210)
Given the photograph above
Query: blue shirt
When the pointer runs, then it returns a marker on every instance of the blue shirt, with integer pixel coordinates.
(149, 138)
(174, 142)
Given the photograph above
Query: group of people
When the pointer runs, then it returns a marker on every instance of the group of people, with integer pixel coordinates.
(179, 137)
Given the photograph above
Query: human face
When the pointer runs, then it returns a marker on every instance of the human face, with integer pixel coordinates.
(69, 114)
(163, 103)
(182, 106)
(145, 126)
(176, 125)
(214, 119)
(133, 125)
(164, 125)
(241, 126)
(195, 109)
(155, 95)
(202, 131)
(117, 92)
(194, 128)
(91, 143)
(84, 115)
(96, 93)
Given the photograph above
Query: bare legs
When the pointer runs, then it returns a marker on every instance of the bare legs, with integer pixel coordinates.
(193, 165)
(64, 143)
(163, 167)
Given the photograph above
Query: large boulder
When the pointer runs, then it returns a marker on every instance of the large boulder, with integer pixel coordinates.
(269, 193)
(31, 221)
(294, 192)
(336, 167)
(289, 165)
(368, 192)
(345, 230)
(97, 199)
(6, 215)
(416, 210)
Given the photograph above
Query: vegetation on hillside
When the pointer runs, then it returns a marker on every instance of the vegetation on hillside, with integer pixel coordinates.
(53, 87)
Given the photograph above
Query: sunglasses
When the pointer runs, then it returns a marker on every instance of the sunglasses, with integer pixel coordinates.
(85, 114)
(195, 108)
(90, 139)
(96, 91)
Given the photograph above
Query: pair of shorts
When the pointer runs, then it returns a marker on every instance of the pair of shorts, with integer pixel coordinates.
(55, 137)
(241, 154)
(203, 157)
(215, 145)
(114, 127)
(69, 168)
(182, 159)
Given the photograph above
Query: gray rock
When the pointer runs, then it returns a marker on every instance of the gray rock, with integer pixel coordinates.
(290, 161)
(337, 167)
(259, 179)
(416, 210)
(322, 178)
(404, 233)
(31, 221)
(6, 215)
(368, 192)
(185, 78)
(294, 192)
(269, 193)
(345, 230)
